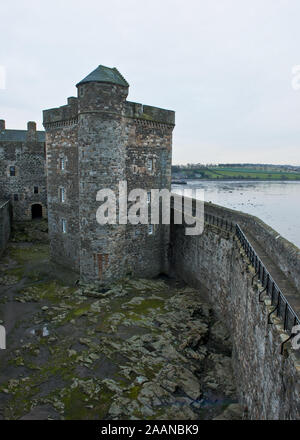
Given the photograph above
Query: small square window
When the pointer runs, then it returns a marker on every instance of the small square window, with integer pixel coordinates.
(12, 171)
(36, 190)
(64, 226)
(62, 194)
(16, 197)
(150, 229)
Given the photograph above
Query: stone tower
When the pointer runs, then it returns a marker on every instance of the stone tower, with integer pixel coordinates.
(101, 148)
(22, 171)
(95, 141)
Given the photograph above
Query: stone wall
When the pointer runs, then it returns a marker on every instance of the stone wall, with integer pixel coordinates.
(5, 224)
(62, 146)
(287, 254)
(268, 382)
(148, 140)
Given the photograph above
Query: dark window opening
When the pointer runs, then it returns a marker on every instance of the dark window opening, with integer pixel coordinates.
(64, 226)
(12, 171)
(62, 194)
(36, 211)
(36, 190)
(16, 197)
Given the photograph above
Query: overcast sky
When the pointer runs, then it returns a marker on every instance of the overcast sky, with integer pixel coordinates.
(224, 66)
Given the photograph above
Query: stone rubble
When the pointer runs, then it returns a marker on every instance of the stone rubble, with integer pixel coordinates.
(143, 349)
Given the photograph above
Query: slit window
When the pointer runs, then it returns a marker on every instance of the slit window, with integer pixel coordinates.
(62, 164)
(12, 171)
(64, 226)
(149, 197)
(36, 190)
(150, 229)
(150, 164)
(62, 195)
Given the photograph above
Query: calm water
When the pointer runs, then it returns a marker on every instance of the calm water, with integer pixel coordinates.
(276, 203)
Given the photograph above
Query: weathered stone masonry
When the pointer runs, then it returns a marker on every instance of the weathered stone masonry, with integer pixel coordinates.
(22, 171)
(268, 383)
(104, 139)
(5, 224)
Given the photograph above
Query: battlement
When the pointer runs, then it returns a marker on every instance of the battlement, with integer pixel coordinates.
(55, 117)
(149, 113)
(58, 115)
(105, 90)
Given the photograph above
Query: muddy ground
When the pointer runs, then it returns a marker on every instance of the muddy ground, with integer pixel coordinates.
(144, 349)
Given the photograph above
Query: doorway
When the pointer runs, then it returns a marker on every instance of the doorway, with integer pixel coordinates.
(36, 211)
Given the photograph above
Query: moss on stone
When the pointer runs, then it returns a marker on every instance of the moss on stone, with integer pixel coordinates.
(134, 392)
(23, 255)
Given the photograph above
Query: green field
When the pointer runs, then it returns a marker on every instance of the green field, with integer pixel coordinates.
(216, 173)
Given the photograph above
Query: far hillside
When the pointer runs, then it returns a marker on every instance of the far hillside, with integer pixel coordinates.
(236, 171)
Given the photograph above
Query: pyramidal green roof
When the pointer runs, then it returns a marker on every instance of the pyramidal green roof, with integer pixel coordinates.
(106, 75)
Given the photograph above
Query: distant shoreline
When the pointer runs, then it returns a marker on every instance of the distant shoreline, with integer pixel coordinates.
(233, 179)
(238, 173)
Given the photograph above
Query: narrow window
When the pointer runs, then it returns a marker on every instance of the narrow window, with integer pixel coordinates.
(12, 171)
(102, 261)
(62, 164)
(150, 229)
(16, 197)
(36, 190)
(64, 226)
(149, 197)
(150, 164)
(62, 194)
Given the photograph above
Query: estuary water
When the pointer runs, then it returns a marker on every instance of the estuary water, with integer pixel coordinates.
(276, 203)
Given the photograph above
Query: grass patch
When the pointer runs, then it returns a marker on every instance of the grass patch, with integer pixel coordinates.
(23, 255)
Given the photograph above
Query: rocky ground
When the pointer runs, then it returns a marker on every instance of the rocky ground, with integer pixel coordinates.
(144, 349)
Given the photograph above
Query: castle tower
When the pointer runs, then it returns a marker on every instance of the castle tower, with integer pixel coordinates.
(94, 142)
(101, 152)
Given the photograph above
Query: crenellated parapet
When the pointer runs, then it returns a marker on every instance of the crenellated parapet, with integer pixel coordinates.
(61, 116)
(149, 114)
